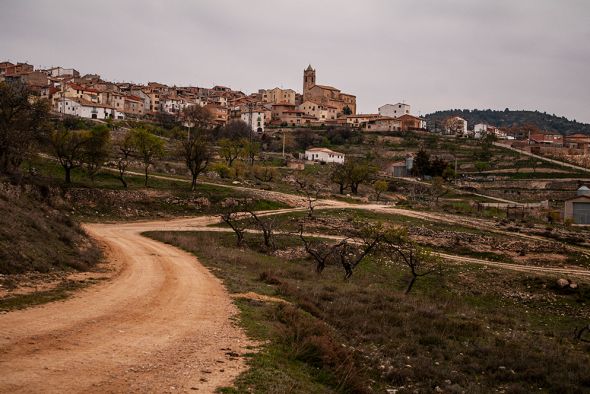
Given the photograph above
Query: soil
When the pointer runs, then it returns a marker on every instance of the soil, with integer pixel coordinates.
(162, 324)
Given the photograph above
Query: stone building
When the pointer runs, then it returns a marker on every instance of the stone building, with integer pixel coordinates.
(326, 95)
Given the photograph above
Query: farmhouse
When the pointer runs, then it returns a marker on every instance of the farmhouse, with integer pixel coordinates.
(324, 155)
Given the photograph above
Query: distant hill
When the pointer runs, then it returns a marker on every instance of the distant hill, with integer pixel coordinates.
(508, 118)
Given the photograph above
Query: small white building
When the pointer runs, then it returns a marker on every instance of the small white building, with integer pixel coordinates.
(258, 119)
(324, 155)
(87, 109)
(62, 72)
(394, 110)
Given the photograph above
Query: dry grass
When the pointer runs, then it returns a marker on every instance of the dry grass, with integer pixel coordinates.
(464, 332)
(36, 236)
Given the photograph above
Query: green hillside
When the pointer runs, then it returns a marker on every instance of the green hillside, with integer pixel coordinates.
(508, 118)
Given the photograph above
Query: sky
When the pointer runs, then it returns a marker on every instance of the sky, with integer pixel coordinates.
(432, 54)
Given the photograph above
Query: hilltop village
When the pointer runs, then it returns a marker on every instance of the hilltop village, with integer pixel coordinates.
(360, 250)
(89, 96)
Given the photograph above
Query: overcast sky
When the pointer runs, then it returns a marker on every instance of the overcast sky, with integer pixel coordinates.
(433, 54)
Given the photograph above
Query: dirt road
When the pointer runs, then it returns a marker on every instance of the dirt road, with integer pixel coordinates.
(163, 324)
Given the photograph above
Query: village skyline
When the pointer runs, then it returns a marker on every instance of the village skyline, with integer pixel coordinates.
(436, 55)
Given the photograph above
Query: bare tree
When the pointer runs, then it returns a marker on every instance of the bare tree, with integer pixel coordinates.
(420, 261)
(125, 152)
(311, 190)
(267, 225)
(264, 173)
(322, 252)
(351, 254)
(196, 117)
(197, 154)
(234, 217)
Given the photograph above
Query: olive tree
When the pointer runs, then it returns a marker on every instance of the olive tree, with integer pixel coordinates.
(148, 148)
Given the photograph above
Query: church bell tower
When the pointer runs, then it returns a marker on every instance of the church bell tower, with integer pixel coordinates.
(308, 79)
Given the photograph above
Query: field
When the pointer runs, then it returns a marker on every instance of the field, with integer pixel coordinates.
(472, 328)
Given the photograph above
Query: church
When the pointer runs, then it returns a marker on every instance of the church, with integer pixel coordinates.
(326, 95)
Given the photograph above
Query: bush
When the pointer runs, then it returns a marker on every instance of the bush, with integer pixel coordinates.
(222, 170)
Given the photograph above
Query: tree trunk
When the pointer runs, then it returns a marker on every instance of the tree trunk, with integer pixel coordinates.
(123, 181)
(68, 174)
(194, 183)
(341, 189)
(410, 284)
(146, 177)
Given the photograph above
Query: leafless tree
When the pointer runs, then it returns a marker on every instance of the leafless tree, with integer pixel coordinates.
(322, 252)
(233, 216)
(267, 225)
(125, 151)
(197, 154)
(351, 254)
(197, 117)
(311, 190)
(420, 261)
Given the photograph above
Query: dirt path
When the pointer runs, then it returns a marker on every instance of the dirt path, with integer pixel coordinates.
(163, 324)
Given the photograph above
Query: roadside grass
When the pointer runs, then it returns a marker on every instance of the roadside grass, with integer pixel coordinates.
(107, 199)
(288, 222)
(474, 329)
(35, 235)
(59, 293)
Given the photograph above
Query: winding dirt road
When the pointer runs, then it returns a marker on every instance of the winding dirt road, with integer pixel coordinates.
(163, 324)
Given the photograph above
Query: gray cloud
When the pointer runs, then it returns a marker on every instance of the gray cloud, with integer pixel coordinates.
(435, 54)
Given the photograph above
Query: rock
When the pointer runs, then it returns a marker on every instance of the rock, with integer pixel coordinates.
(561, 283)
(573, 285)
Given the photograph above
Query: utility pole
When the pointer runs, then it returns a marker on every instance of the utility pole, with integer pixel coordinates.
(283, 144)
(250, 108)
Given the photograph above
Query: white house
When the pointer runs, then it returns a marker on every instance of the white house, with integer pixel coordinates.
(394, 110)
(324, 155)
(87, 109)
(258, 119)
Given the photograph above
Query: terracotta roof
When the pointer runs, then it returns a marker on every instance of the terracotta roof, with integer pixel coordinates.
(327, 87)
(363, 116)
(87, 103)
(414, 117)
(82, 88)
(133, 98)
